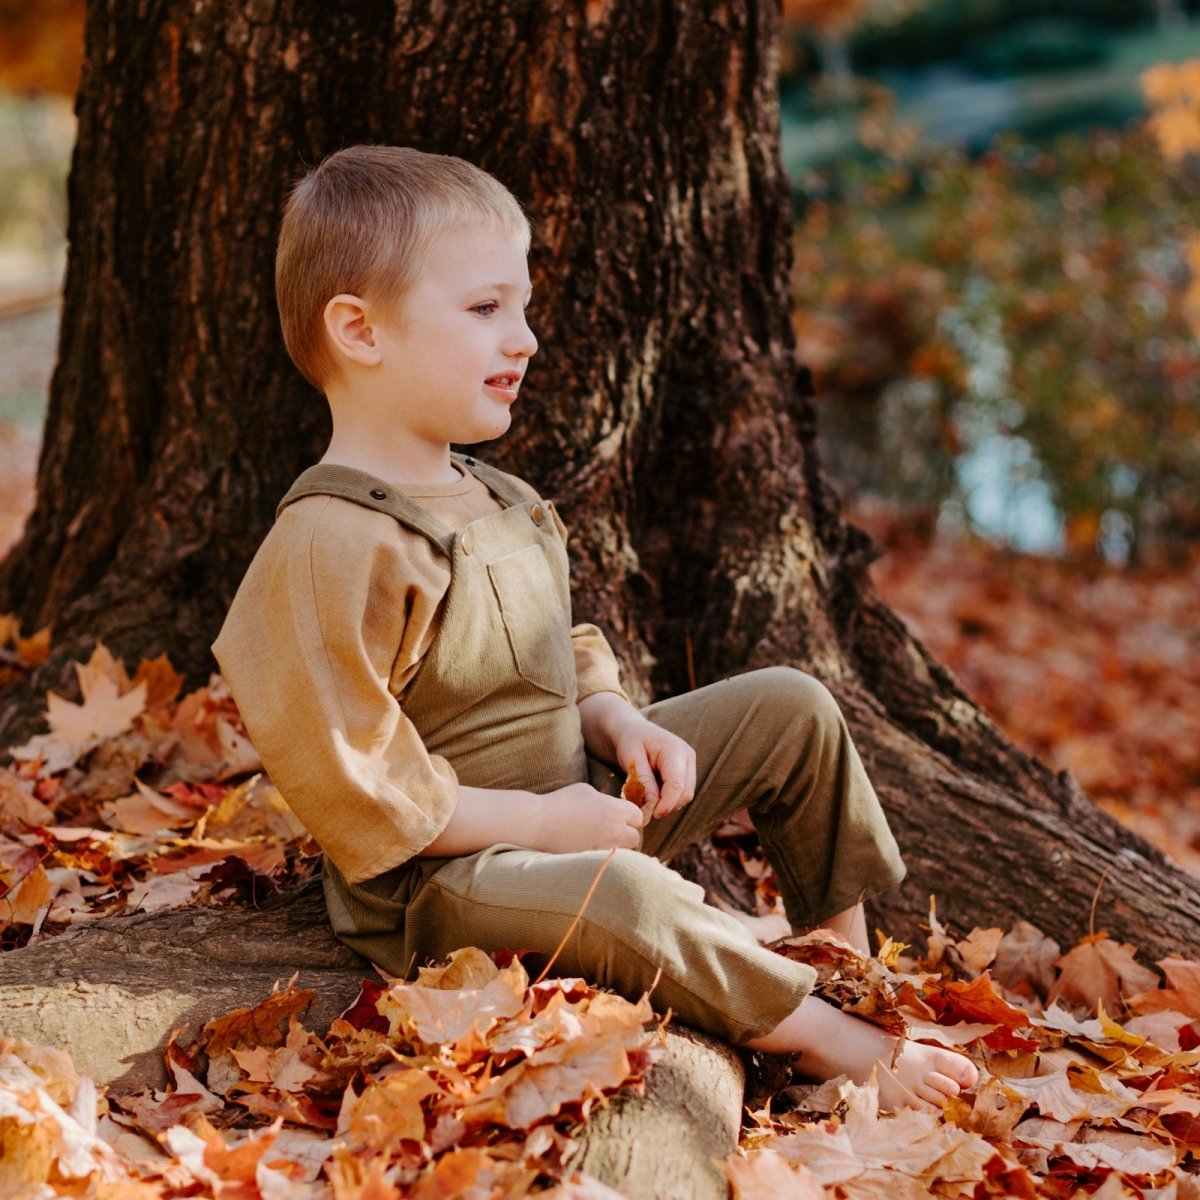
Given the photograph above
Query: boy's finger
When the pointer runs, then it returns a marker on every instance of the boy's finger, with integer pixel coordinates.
(674, 767)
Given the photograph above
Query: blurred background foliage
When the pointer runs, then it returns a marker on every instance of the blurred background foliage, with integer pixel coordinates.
(992, 272)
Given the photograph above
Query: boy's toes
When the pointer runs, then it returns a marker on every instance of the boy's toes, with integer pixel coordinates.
(959, 1070)
(931, 1098)
(943, 1085)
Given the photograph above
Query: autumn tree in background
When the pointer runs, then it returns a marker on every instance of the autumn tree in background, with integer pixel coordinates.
(668, 411)
(41, 45)
(1037, 295)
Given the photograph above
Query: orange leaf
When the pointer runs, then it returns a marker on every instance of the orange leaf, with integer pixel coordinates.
(767, 1175)
(1181, 994)
(22, 905)
(1100, 971)
(633, 789)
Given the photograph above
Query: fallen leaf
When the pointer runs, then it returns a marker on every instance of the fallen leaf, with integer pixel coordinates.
(978, 948)
(767, 1175)
(109, 707)
(1100, 971)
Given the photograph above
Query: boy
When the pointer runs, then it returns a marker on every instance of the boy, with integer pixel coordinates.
(402, 654)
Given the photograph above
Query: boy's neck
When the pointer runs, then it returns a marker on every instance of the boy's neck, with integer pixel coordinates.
(400, 464)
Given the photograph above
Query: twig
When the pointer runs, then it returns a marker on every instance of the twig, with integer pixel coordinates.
(691, 659)
(571, 927)
(1095, 899)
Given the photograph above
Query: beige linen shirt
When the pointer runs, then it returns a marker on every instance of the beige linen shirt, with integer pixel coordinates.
(329, 626)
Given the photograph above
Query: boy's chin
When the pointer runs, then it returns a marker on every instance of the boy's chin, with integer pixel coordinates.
(493, 427)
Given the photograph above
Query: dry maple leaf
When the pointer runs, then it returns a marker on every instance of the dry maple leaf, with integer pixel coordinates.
(978, 948)
(1181, 993)
(162, 682)
(436, 1015)
(390, 1108)
(1100, 971)
(44, 1141)
(633, 789)
(110, 706)
(29, 897)
(19, 808)
(767, 1175)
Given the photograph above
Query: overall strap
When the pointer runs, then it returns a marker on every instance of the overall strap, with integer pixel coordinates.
(334, 479)
(495, 480)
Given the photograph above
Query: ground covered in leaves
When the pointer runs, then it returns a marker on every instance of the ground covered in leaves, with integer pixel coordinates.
(470, 1080)
(1092, 667)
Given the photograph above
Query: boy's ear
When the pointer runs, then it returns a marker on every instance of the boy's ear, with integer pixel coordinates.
(349, 330)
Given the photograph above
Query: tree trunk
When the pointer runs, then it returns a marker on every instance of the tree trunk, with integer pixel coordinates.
(666, 411)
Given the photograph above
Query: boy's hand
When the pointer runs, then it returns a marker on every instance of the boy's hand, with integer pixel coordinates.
(578, 817)
(665, 764)
(614, 731)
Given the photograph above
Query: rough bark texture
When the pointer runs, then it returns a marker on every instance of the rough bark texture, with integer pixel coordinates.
(112, 992)
(666, 411)
(665, 1145)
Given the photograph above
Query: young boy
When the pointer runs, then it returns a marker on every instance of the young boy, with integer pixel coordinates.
(402, 654)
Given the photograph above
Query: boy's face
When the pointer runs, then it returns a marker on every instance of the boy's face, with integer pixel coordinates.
(460, 326)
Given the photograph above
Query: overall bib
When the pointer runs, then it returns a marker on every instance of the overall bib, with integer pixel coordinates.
(495, 696)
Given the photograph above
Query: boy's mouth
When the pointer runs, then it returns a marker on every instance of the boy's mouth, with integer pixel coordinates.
(507, 382)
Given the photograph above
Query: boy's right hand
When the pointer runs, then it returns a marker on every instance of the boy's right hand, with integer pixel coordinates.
(578, 817)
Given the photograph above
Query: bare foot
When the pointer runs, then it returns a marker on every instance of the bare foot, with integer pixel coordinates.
(829, 1042)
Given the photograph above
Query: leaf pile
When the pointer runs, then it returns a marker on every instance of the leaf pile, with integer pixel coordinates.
(463, 1083)
(128, 803)
(1089, 1081)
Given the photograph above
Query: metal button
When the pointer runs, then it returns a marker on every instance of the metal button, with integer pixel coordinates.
(379, 493)
(466, 543)
(538, 513)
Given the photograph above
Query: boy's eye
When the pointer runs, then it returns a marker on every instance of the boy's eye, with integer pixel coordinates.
(491, 305)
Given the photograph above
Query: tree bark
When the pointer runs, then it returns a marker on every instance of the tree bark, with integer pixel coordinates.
(666, 411)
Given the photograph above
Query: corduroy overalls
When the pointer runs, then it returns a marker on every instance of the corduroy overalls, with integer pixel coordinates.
(495, 695)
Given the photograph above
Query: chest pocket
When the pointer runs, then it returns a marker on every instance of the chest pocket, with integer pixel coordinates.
(539, 631)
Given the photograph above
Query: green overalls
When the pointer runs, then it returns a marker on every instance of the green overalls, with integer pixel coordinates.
(495, 696)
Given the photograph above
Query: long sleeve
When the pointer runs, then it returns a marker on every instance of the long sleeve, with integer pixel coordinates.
(309, 649)
(596, 666)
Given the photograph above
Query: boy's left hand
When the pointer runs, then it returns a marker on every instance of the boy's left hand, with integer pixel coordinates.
(665, 764)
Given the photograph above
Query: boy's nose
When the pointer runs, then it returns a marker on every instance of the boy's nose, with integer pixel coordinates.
(522, 341)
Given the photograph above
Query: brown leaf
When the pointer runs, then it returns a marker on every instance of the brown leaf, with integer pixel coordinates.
(147, 811)
(1100, 971)
(1026, 955)
(109, 707)
(18, 806)
(390, 1109)
(161, 679)
(633, 789)
(978, 948)
(260, 1024)
(1181, 992)
(32, 894)
(285, 1067)
(767, 1175)
(980, 1001)
(1057, 1099)
(996, 1108)
(439, 1015)
(473, 1172)
(575, 1072)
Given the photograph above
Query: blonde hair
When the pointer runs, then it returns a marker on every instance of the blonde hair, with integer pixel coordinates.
(362, 221)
